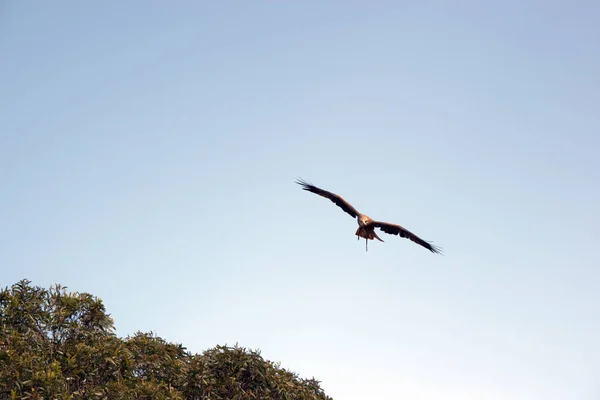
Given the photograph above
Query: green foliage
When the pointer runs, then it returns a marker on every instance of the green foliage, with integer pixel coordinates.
(59, 345)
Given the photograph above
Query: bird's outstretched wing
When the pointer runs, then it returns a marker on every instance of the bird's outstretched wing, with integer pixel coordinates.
(338, 200)
(394, 229)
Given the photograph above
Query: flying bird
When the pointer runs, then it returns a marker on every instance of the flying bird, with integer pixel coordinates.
(366, 226)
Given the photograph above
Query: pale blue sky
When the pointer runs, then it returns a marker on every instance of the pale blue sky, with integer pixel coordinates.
(148, 152)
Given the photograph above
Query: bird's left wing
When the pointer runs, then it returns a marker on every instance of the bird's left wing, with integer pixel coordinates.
(394, 229)
(337, 199)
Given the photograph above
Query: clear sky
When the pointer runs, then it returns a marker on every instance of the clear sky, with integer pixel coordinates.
(148, 152)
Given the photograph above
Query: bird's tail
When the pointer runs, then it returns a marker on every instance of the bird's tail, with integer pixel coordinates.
(368, 234)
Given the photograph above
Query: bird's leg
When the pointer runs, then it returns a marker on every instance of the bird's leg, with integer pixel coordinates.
(366, 244)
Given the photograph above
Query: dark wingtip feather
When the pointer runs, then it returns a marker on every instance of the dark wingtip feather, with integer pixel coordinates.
(300, 181)
(435, 249)
(305, 185)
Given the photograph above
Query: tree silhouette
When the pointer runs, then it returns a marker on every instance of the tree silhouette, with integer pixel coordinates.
(60, 345)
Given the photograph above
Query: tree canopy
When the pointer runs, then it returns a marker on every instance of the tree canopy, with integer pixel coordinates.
(56, 344)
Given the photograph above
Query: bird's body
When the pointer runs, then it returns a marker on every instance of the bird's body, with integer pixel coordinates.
(366, 225)
(366, 229)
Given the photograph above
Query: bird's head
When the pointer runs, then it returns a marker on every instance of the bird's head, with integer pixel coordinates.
(363, 219)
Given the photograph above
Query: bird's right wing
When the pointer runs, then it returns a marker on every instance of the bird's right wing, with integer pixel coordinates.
(395, 229)
(338, 200)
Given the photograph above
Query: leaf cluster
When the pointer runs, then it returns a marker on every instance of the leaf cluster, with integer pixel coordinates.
(60, 345)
